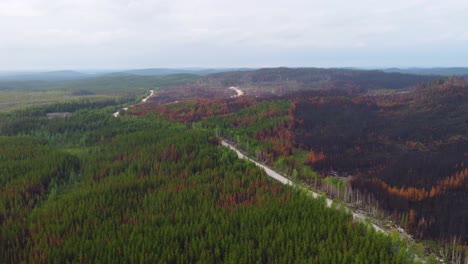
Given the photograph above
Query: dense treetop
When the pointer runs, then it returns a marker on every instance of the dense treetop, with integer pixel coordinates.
(141, 189)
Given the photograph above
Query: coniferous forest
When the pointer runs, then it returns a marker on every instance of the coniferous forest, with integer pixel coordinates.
(154, 184)
(153, 131)
(93, 188)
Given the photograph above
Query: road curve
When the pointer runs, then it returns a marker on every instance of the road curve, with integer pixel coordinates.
(275, 175)
(148, 97)
(116, 114)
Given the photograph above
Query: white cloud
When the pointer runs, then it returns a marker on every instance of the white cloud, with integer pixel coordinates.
(154, 32)
(9, 8)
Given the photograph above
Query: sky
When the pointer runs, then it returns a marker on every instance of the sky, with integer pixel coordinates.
(124, 34)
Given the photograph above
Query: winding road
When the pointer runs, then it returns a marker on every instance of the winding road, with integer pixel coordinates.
(144, 100)
(116, 114)
(275, 175)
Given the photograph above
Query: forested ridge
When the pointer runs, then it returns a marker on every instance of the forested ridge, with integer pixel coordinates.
(283, 81)
(88, 187)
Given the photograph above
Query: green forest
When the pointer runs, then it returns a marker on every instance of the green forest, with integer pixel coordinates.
(93, 188)
(155, 184)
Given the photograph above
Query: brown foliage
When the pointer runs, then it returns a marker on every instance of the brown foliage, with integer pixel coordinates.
(314, 157)
(194, 110)
(418, 194)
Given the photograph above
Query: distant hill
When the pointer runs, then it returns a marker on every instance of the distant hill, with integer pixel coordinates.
(46, 76)
(276, 82)
(166, 71)
(67, 75)
(104, 84)
(107, 84)
(285, 80)
(454, 71)
(267, 81)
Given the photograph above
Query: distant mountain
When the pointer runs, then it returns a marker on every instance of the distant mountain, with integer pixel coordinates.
(46, 76)
(167, 71)
(454, 71)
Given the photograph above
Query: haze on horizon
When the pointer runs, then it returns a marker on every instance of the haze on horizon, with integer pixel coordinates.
(113, 34)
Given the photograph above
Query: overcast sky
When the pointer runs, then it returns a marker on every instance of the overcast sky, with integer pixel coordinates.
(117, 34)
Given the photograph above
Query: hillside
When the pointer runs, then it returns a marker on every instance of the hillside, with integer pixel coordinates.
(408, 150)
(286, 80)
(277, 82)
(404, 152)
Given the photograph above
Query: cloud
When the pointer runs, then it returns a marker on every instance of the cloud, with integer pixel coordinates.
(18, 9)
(154, 31)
